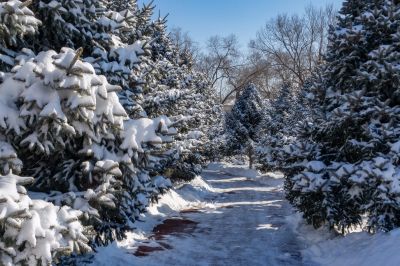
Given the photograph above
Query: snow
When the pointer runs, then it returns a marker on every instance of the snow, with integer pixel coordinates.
(8, 188)
(14, 14)
(86, 92)
(187, 196)
(56, 102)
(227, 197)
(128, 55)
(241, 170)
(195, 134)
(225, 203)
(361, 249)
(257, 207)
(142, 131)
(356, 248)
(316, 166)
(35, 228)
(395, 147)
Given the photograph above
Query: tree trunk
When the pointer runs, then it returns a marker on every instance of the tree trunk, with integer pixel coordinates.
(250, 154)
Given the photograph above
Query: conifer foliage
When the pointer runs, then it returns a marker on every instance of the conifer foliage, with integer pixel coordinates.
(96, 106)
(242, 123)
(346, 167)
(16, 22)
(34, 231)
(283, 117)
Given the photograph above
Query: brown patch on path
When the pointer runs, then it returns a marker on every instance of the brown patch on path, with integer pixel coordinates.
(171, 226)
(174, 226)
(142, 251)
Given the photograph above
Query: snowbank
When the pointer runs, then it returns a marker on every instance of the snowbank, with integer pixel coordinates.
(187, 196)
(274, 179)
(357, 248)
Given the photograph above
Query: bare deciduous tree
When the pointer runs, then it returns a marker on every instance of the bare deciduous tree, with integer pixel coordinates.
(221, 62)
(255, 69)
(295, 44)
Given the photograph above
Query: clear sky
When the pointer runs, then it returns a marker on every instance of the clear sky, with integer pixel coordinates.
(205, 18)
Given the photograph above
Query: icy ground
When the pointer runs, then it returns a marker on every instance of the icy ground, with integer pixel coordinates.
(233, 216)
(238, 220)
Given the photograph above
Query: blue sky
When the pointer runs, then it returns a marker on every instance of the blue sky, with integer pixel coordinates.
(205, 18)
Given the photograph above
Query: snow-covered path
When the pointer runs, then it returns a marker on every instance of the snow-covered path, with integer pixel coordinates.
(225, 218)
(248, 226)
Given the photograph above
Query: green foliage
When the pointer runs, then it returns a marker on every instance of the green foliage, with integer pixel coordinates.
(89, 102)
(242, 123)
(354, 138)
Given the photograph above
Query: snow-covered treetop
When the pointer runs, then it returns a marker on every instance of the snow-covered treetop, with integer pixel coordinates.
(60, 93)
(246, 115)
(249, 105)
(16, 20)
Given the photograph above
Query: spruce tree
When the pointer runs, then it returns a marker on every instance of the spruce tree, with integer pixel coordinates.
(92, 124)
(159, 80)
(76, 20)
(34, 232)
(345, 166)
(74, 137)
(242, 123)
(17, 22)
(283, 117)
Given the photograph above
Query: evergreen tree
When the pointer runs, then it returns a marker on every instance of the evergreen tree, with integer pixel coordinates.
(159, 80)
(34, 232)
(93, 124)
(71, 132)
(346, 166)
(283, 117)
(76, 20)
(16, 22)
(242, 123)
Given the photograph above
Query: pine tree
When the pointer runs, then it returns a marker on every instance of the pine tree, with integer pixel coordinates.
(16, 22)
(73, 136)
(159, 80)
(283, 117)
(351, 159)
(242, 123)
(34, 232)
(93, 124)
(75, 19)
(63, 117)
